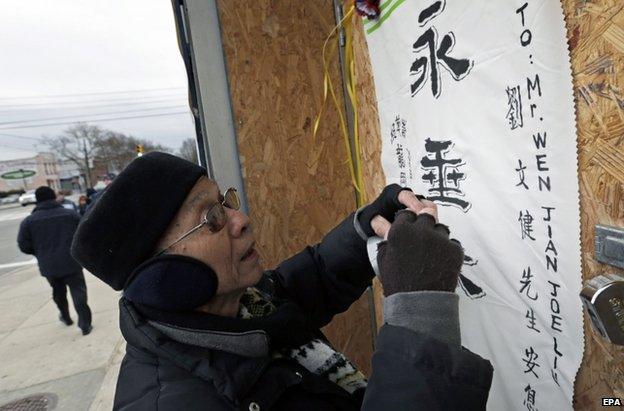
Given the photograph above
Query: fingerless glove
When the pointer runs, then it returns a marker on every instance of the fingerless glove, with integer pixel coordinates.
(386, 205)
(418, 256)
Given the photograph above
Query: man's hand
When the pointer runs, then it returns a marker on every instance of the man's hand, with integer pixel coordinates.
(407, 198)
(376, 217)
(418, 254)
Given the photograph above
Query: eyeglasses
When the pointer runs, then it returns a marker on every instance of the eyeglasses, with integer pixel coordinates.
(215, 217)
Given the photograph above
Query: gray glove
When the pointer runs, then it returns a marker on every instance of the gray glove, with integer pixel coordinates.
(418, 256)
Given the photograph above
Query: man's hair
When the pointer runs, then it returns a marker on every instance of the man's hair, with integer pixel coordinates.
(44, 193)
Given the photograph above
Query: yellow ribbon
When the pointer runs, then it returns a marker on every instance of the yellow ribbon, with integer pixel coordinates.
(353, 159)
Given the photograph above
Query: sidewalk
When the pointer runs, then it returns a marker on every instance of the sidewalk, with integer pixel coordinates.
(40, 355)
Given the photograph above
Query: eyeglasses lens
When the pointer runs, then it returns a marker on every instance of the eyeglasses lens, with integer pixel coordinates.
(231, 199)
(216, 218)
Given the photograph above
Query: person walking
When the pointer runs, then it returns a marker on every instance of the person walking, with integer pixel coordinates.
(66, 203)
(83, 203)
(47, 234)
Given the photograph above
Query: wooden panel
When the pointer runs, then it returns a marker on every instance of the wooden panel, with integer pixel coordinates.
(596, 36)
(297, 190)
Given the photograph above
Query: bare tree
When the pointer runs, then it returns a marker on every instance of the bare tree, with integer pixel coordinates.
(84, 144)
(117, 150)
(188, 150)
(78, 143)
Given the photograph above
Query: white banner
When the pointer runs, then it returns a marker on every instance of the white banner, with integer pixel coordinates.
(476, 110)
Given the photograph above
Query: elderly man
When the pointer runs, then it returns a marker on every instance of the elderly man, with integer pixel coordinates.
(208, 329)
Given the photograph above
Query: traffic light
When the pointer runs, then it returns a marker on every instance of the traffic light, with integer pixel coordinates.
(139, 150)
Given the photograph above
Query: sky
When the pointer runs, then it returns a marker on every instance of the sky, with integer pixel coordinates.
(99, 61)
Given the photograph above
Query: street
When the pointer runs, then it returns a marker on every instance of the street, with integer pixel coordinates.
(11, 258)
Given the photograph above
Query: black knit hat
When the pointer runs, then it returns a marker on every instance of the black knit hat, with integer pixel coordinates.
(121, 229)
(44, 193)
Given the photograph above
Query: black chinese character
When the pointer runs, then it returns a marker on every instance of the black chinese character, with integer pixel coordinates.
(514, 102)
(400, 156)
(438, 55)
(526, 225)
(526, 284)
(529, 401)
(441, 173)
(398, 129)
(530, 361)
(530, 315)
(520, 171)
(472, 290)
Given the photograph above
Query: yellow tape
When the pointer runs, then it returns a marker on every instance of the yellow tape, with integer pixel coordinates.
(355, 167)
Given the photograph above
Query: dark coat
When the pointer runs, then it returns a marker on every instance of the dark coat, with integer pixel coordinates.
(82, 209)
(171, 366)
(47, 234)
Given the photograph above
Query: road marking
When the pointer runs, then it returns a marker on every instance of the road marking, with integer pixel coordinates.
(21, 263)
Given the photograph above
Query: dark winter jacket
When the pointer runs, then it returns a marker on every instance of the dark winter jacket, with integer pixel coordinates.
(69, 205)
(177, 364)
(47, 234)
(82, 209)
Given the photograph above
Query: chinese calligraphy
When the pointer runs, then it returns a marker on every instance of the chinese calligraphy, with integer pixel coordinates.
(529, 401)
(441, 173)
(438, 54)
(398, 133)
(526, 284)
(472, 290)
(530, 361)
(520, 171)
(514, 102)
(530, 315)
(526, 225)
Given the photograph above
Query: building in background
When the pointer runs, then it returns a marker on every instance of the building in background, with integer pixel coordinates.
(70, 176)
(27, 170)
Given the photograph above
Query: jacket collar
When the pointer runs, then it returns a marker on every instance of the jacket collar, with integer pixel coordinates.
(46, 205)
(254, 337)
(253, 343)
(232, 375)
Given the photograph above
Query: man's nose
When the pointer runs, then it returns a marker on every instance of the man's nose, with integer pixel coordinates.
(238, 223)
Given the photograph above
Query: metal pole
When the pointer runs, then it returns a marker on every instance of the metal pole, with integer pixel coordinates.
(350, 119)
(86, 159)
(23, 178)
(199, 37)
(185, 50)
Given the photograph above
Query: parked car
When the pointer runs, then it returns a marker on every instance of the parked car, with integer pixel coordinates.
(27, 198)
(13, 198)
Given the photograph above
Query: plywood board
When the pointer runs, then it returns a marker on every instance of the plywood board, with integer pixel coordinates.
(596, 38)
(297, 189)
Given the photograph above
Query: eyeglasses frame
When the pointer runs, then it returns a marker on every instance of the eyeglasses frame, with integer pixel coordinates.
(205, 220)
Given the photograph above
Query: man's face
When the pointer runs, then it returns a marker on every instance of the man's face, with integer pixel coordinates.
(227, 251)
